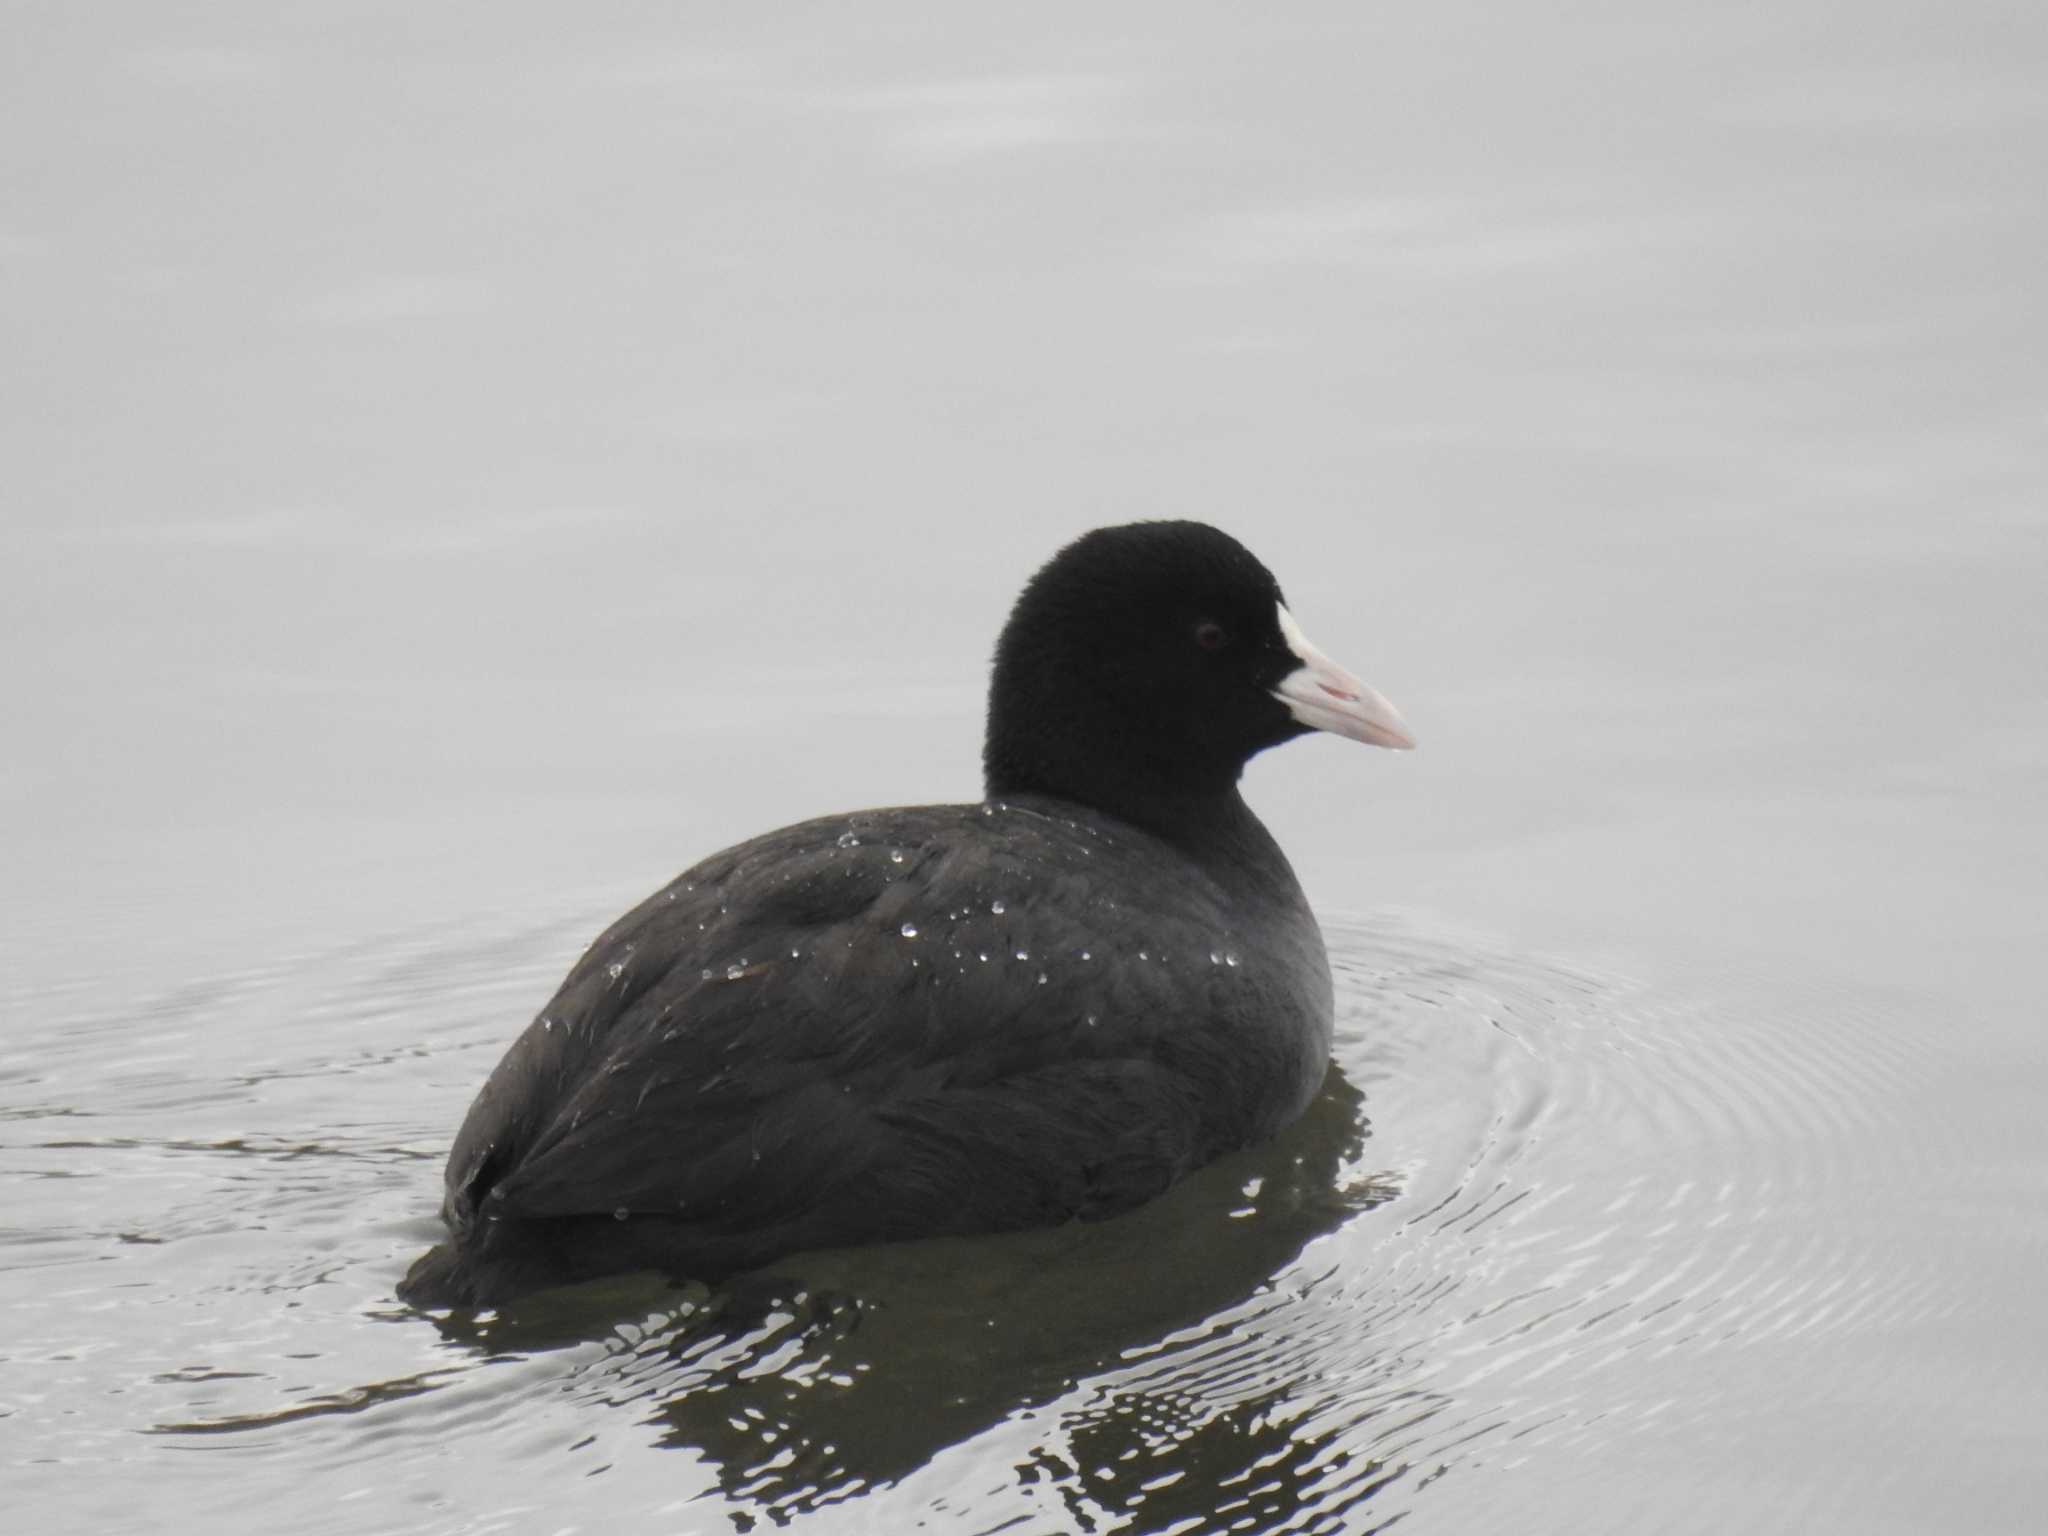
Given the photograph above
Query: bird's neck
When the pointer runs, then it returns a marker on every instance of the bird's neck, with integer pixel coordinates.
(1213, 827)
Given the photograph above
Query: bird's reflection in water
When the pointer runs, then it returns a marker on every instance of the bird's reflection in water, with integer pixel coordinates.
(838, 1372)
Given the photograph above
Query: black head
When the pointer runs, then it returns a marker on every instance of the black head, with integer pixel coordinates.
(1154, 660)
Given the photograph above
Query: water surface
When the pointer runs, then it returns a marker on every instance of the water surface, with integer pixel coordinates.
(464, 467)
(1542, 1220)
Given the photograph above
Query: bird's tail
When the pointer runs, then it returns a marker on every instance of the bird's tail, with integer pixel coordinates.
(438, 1279)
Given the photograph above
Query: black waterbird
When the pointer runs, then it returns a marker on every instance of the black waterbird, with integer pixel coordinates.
(947, 1019)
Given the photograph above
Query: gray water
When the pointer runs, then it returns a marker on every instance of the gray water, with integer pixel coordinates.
(465, 464)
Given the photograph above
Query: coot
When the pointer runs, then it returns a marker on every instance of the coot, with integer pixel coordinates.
(946, 1019)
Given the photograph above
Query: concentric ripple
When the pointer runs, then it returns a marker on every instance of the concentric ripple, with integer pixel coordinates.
(1541, 1221)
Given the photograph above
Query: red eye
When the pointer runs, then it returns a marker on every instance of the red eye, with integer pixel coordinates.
(1211, 636)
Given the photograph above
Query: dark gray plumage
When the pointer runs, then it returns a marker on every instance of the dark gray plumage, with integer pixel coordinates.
(942, 1019)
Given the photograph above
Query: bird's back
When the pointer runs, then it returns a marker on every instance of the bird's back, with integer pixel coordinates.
(898, 1023)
